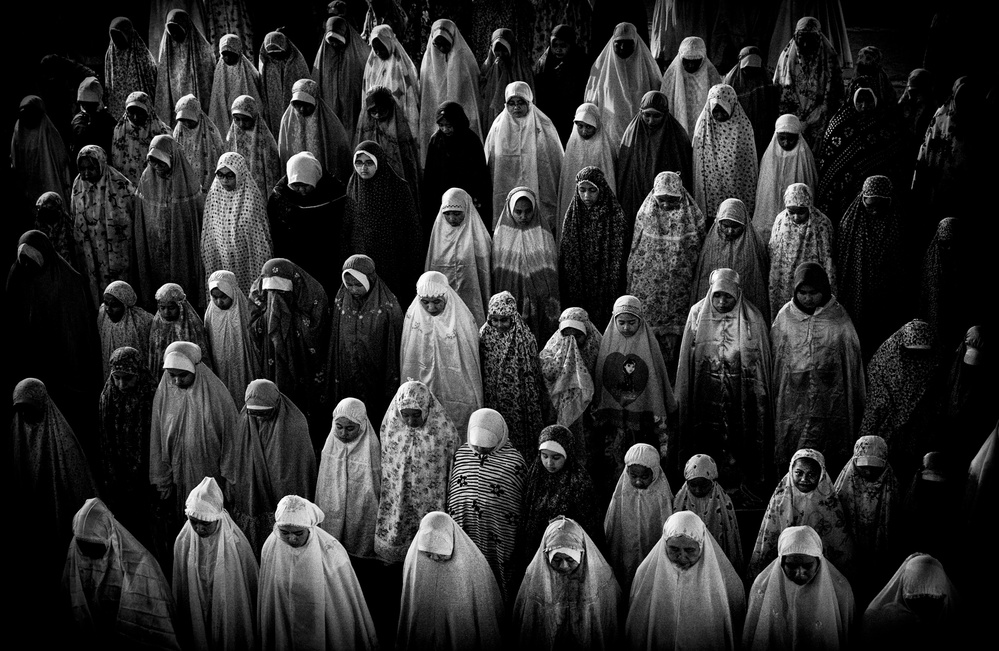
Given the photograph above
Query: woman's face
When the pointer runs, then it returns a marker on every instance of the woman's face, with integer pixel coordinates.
(809, 298)
(640, 476)
(799, 568)
(720, 114)
(870, 473)
(500, 51)
(552, 461)
(807, 43)
(220, 299)
(136, 115)
(125, 382)
(559, 48)
(588, 193)
(168, 310)
(563, 563)
(730, 230)
(180, 378)
(864, 102)
(523, 212)
(188, 123)
(501, 323)
(292, 535)
(627, 324)
(787, 141)
(437, 558)
(90, 171)
(667, 201)
(305, 109)
(517, 106)
(482, 450)
(454, 217)
(584, 130)
(624, 47)
(244, 122)
(434, 305)
(345, 429)
(442, 44)
(798, 213)
(159, 168)
(262, 414)
(380, 113)
(445, 127)
(691, 65)
(412, 417)
(682, 551)
(114, 308)
(380, 50)
(700, 486)
(877, 206)
(578, 335)
(365, 166)
(203, 528)
(723, 302)
(805, 474)
(230, 58)
(354, 286)
(227, 178)
(652, 118)
(301, 188)
(177, 32)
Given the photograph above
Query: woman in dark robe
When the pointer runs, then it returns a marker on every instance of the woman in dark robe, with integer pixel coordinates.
(758, 95)
(384, 122)
(560, 77)
(383, 222)
(455, 159)
(339, 70)
(306, 211)
(917, 107)
(968, 411)
(51, 218)
(364, 339)
(946, 298)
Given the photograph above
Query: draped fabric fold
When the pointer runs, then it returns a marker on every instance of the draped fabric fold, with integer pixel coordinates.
(184, 66)
(228, 337)
(232, 80)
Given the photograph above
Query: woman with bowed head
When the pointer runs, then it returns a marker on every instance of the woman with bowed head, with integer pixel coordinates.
(128, 65)
(214, 575)
(633, 391)
(136, 128)
(687, 80)
(486, 491)
(364, 338)
(308, 124)
(506, 63)
(166, 236)
(654, 142)
(523, 149)
(449, 72)
(350, 479)
(591, 253)
(686, 593)
(289, 328)
(758, 95)
(339, 70)
(382, 121)
(725, 161)
(723, 385)
(439, 348)
(249, 136)
(235, 234)
(51, 218)
(418, 445)
(702, 494)
(306, 211)
(227, 321)
(175, 320)
(590, 145)
(200, 138)
(280, 65)
(308, 594)
(733, 243)
(267, 454)
(455, 159)
(121, 322)
(39, 160)
(818, 375)
(450, 599)
(622, 74)
(389, 65)
(461, 249)
(102, 206)
(787, 160)
(569, 597)
(804, 496)
(382, 220)
(668, 236)
(234, 76)
(800, 600)
(641, 502)
(525, 261)
(186, 63)
(560, 75)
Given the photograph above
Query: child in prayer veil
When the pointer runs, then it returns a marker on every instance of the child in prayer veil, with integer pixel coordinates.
(702, 494)
(226, 322)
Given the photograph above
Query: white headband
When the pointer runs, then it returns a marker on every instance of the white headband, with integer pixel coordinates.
(553, 446)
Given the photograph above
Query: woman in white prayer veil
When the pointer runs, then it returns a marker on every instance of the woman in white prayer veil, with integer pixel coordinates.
(686, 594)
(448, 73)
(590, 145)
(214, 575)
(309, 594)
(687, 81)
(788, 160)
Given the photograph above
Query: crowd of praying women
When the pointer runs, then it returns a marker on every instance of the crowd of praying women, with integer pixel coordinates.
(621, 339)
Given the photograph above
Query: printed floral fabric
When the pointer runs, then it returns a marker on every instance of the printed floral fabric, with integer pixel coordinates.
(130, 144)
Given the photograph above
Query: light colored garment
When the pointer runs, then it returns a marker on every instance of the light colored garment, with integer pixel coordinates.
(130, 144)
(442, 351)
(725, 162)
(203, 144)
(820, 509)
(102, 223)
(132, 329)
(779, 169)
(700, 607)
(397, 73)
(122, 596)
(183, 68)
(828, 12)
(525, 152)
(463, 253)
(715, 509)
(256, 145)
(340, 71)
(235, 234)
(579, 610)
(128, 68)
(785, 615)
(568, 368)
(280, 65)
(617, 85)
(452, 604)
(226, 330)
(321, 134)
(599, 150)
(309, 596)
(688, 91)
(350, 482)
(635, 517)
(451, 77)
(186, 327)
(231, 81)
(416, 467)
(215, 577)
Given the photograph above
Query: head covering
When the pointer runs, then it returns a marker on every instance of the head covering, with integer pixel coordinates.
(447, 77)
(132, 329)
(305, 168)
(397, 73)
(778, 170)
(699, 605)
(128, 65)
(632, 525)
(231, 81)
(339, 71)
(130, 144)
(187, 327)
(525, 263)
(568, 368)
(617, 85)
(321, 133)
(869, 505)
(687, 92)
(599, 151)
(715, 509)
(202, 144)
(383, 121)
(257, 145)
(592, 255)
(226, 330)
(184, 67)
(890, 615)
(417, 462)
(498, 72)
(281, 65)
